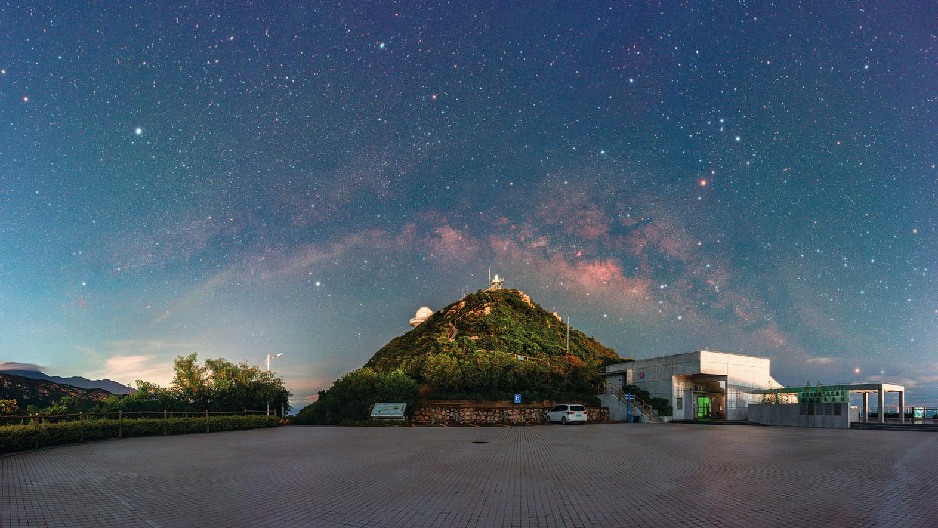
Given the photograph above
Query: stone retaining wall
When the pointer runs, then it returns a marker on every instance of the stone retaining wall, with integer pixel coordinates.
(442, 414)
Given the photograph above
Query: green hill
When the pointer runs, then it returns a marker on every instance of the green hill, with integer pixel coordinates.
(487, 346)
(492, 343)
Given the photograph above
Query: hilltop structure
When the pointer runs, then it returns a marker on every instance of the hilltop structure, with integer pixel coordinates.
(492, 344)
(422, 315)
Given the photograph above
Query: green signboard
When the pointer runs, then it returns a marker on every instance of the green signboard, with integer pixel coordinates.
(823, 395)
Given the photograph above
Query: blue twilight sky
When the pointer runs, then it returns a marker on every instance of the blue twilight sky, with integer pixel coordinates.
(237, 179)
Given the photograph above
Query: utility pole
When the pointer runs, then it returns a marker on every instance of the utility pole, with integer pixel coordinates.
(568, 335)
(269, 357)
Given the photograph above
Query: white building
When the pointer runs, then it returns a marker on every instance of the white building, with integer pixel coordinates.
(698, 385)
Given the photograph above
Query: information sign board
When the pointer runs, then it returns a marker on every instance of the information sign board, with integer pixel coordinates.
(388, 411)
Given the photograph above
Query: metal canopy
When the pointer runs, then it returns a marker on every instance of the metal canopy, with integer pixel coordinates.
(851, 387)
(865, 389)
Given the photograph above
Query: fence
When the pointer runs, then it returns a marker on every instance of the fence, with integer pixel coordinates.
(913, 414)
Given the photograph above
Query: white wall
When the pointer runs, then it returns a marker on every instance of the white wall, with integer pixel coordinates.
(743, 374)
(792, 414)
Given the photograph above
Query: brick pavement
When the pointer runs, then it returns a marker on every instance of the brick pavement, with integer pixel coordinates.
(579, 476)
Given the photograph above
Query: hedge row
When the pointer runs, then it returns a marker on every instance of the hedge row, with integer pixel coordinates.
(21, 437)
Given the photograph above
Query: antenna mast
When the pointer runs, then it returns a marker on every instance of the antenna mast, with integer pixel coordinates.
(568, 335)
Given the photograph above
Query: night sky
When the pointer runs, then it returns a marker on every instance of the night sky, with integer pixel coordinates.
(238, 180)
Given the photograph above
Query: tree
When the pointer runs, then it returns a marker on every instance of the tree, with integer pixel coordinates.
(351, 397)
(190, 383)
(221, 385)
(8, 407)
(148, 397)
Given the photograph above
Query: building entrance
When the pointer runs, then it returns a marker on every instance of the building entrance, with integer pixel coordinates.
(703, 407)
(707, 393)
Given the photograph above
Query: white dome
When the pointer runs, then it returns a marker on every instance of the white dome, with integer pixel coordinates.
(422, 315)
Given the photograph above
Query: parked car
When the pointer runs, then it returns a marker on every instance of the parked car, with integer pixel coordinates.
(567, 413)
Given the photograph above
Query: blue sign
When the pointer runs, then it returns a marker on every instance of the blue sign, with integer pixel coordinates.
(517, 398)
(629, 397)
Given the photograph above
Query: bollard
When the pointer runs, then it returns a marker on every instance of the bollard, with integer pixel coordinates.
(120, 424)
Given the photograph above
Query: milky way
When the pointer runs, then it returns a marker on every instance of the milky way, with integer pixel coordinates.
(238, 181)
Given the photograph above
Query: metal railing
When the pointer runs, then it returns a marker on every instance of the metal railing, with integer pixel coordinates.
(636, 402)
(914, 414)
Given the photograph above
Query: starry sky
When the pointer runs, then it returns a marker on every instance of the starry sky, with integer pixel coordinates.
(248, 178)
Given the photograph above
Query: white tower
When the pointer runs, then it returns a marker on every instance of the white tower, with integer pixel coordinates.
(496, 283)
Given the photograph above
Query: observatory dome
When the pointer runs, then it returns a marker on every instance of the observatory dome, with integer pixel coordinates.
(422, 315)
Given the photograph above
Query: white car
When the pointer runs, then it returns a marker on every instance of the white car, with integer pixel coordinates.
(567, 413)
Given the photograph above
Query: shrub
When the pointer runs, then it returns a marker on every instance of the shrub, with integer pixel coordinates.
(21, 437)
(351, 397)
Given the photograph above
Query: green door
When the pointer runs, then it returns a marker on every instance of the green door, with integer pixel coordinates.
(703, 407)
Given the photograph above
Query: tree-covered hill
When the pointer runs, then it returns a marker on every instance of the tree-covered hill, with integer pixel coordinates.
(487, 346)
(75, 381)
(495, 341)
(43, 393)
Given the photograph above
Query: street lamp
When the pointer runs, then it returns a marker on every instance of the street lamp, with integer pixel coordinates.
(269, 357)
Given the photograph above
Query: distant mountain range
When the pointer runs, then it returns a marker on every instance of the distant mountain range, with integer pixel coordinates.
(43, 393)
(75, 381)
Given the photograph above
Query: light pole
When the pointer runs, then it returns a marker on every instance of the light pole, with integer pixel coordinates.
(269, 357)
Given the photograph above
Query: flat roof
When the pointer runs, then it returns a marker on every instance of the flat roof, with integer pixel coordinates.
(618, 368)
(851, 387)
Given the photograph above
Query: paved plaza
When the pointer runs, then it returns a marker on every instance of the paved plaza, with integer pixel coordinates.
(599, 475)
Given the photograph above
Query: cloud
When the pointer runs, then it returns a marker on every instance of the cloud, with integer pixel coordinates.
(164, 242)
(305, 257)
(448, 245)
(583, 211)
(146, 368)
(823, 361)
(372, 174)
(129, 360)
(274, 265)
(604, 278)
(13, 365)
(198, 297)
(652, 263)
(305, 390)
(664, 236)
